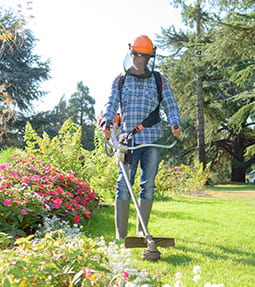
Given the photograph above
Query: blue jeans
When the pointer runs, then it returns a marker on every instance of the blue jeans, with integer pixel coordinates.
(149, 158)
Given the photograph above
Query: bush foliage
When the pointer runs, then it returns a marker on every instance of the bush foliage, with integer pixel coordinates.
(31, 190)
(59, 261)
(181, 178)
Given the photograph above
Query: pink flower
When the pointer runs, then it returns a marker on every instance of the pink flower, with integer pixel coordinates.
(79, 191)
(7, 202)
(125, 275)
(57, 202)
(86, 272)
(88, 213)
(77, 218)
(59, 190)
(4, 166)
(23, 211)
(26, 180)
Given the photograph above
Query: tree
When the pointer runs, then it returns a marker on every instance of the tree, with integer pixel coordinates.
(232, 52)
(187, 51)
(21, 71)
(7, 39)
(215, 83)
(81, 109)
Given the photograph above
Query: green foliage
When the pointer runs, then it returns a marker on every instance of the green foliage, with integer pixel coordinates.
(54, 261)
(250, 151)
(101, 169)
(20, 69)
(67, 262)
(31, 190)
(182, 178)
(7, 153)
(239, 119)
(64, 150)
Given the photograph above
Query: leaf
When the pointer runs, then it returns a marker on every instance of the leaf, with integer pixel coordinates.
(77, 276)
(20, 218)
(6, 282)
(98, 266)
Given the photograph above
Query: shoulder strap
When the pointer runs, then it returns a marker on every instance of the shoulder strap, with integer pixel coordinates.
(159, 83)
(120, 84)
(154, 117)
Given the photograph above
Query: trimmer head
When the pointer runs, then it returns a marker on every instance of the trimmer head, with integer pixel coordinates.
(140, 242)
(150, 244)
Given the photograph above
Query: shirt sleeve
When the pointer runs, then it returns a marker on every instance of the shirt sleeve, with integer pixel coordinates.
(169, 103)
(112, 105)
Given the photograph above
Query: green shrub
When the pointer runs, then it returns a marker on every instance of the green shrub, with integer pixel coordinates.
(7, 153)
(100, 169)
(31, 190)
(68, 262)
(64, 150)
(182, 178)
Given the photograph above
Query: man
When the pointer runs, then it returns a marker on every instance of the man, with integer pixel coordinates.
(137, 99)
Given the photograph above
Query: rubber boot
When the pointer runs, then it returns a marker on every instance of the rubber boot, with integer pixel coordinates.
(145, 206)
(121, 218)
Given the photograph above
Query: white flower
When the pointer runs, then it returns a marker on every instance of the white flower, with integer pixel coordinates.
(178, 283)
(196, 278)
(130, 284)
(197, 269)
(208, 284)
(178, 275)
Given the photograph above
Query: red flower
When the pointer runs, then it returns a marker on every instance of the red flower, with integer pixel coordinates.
(77, 218)
(57, 202)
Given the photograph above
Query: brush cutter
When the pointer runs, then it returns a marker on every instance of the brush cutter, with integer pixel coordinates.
(151, 243)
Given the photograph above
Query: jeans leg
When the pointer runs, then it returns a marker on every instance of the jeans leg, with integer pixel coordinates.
(122, 189)
(149, 162)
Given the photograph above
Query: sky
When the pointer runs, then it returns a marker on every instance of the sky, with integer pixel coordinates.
(87, 40)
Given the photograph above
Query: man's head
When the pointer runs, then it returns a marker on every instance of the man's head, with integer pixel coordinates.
(141, 57)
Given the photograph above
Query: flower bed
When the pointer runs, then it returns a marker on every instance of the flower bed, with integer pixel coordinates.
(57, 260)
(31, 190)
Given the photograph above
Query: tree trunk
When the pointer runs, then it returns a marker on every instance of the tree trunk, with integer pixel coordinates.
(200, 122)
(238, 167)
(237, 171)
(199, 92)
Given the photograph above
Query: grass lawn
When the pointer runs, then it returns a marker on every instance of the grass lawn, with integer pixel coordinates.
(214, 230)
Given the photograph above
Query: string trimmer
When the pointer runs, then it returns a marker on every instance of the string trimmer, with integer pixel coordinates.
(151, 243)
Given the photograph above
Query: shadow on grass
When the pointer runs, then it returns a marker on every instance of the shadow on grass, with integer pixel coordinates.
(232, 187)
(215, 252)
(175, 259)
(101, 224)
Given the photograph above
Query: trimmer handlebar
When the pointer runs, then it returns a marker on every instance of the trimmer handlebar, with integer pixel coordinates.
(114, 143)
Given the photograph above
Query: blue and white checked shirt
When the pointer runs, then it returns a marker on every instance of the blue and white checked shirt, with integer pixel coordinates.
(139, 98)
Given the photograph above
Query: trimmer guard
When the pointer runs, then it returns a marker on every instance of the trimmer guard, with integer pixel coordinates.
(140, 242)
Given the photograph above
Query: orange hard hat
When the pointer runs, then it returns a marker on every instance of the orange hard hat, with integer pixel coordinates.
(143, 44)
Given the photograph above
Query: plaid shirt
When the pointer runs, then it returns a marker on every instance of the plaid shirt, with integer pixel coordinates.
(139, 98)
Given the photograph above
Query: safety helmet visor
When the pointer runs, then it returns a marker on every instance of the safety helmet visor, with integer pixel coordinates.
(139, 64)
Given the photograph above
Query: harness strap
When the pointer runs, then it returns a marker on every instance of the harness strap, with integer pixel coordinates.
(153, 117)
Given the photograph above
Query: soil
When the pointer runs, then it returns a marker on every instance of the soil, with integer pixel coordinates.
(228, 193)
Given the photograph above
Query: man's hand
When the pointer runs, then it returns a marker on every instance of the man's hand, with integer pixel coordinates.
(106, 131)
(104, 126)
(176, 130)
